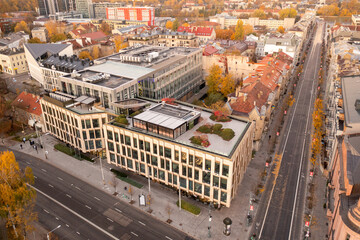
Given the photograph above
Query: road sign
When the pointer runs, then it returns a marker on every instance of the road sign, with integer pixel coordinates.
(266, 164)
(311, 173)
(251, 208)
(307, 224)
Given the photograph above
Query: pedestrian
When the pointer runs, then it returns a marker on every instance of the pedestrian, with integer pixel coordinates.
(24, 140)
(20, 146)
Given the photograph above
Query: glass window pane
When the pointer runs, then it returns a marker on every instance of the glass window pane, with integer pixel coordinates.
(147, 146)
(154, 161)
(208, 165)
(130, 163)
(175, 167)
(215, 181)
(217, 167)
(182, 182)
(168, 152)
(207, 190)
(223, 183)
(198, 188)
(223, 196)
(225, 170)
(127, 140)
(110, 135)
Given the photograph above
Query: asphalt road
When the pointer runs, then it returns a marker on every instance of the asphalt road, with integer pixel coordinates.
(280, 214)
(85, 212)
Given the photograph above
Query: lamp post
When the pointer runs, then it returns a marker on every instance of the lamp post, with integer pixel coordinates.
(102, 171)
(48, 234)
(227, 228)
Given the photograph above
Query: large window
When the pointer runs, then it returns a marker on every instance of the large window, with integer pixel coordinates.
(88, 123)
(147, 146)
(110, 135)
(168, 152)
(176, 155)
(198, 161)
(139, 124)
(208, 165)
(182, 182)
(223, 183)
(166, 132)
(154, 160)
(198, 188)
(111, 146)
(217, 167)
(215, 181)
(95, 123)
(225, 170)
(183, 157)
(127, 140)
(175, 167)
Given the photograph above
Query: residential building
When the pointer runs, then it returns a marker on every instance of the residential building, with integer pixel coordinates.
(94, 36)
(355, 19)
(117, 24)
(204, 34)
(141, 14)
(98, 9)
(287, 43)
(63, 16)
(343, 205)
(40, 33)
(249, 12)
(84, 7)
(156, 144)
(5, 25)
(82, 44)
(147, 71)
(128, 29)
(14, 40)
(75, 121)
(13, 61)
(27, 110)
(36, 53)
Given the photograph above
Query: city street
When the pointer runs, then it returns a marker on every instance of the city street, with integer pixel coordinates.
(280, 214)
(85, 212)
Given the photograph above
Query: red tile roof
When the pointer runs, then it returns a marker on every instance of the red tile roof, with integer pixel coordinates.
(28, 102)
(210, 50)
(97, 36)
(199, 31)
(77, 32)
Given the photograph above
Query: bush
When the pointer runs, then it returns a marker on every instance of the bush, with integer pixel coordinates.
(205, 129)
(217, 128)
(195, 140)
(123, 177)
(213, 98)
(219, 118)
(136, 113)
(118, 173)
(227, 134)
(189, 207)
(121, 120)
(62, 148)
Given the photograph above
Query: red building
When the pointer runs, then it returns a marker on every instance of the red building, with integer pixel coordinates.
(143, 14)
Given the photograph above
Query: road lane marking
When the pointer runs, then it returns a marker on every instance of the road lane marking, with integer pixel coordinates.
(43, 170)
(77, 188)
(75, 213)
(87, 206)
(118, 210)
(168, 238)
(56, 218)
(35, 176)
(50, 185)
(28, 163)
(97, 198)
(46, 211)
(67, 225)
(60, 178)
(134, 234)
(142, 223)
(78, 233)
(68, 195)
(110, 219)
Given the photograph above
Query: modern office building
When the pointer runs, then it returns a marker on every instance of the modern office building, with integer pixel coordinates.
(157, 144)
(75, 121)
(84, 7)
(141, 14)
(147, 71)
(98, 9)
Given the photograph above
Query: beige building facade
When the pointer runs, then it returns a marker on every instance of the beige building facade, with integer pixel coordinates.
(13, 61)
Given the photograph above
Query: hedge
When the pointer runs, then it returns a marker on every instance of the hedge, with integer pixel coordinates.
(64, 149)
(123, 177)
(189, 207)
(227, 134)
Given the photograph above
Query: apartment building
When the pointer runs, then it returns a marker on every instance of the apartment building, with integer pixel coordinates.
(148, 71)
(84, 7)
(142, 14)
(287, 43)
(156, 144)
(41, 33)
(13, 61)
(74, 120)
(98, 9)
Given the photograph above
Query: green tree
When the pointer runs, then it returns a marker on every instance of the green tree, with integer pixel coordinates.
(213, 80)
(17, 200)
(287, 13)
(239, 31)
(175, 25)
(22, 26)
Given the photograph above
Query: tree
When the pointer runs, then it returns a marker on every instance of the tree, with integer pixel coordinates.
(169, 210)
(239, 31)
(185, 24)
(213, 80)
(227, 85)
(345, 12)
(175, 25)
(17, 200)
(281, 29)
(22, 26)
(329, 10)
(169, 24)
(105, 28)
(119, 43)
(224, 33)
(84, 55)
(51, 27)
(248, 29)
(34, 40)
(58, 37)
(95, 52)
(287, 13)
(259, 14)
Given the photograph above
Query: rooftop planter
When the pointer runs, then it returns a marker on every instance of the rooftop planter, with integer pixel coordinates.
(121, 119)
(218, 116)
(225, 133)
(200, 140)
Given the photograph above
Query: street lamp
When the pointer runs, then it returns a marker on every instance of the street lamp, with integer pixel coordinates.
(48, 236)
(227, 228)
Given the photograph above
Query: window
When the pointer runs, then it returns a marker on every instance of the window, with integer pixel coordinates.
(128, 152)
(116, 137)
(117, 148)
(92, 134)
(130, 163)
(198, 162)
(183, 157)
(216, 194)
(207, 190)
(122, 138)
(98, 144)
(217, 167)
(175, 167)
(110, 135)
(112, 157)
(82, 123)
(88, 123)
(161, 150)
(223, 196)
(155, 148)
(208, 165)
(162, 175)
(95, 123)
(167, 152)
(84, 135)
(168, 165)
(110, 146)
(182, 182)
(142, 168)
(97, 133)
(198, 188)
(191, 159)
(142, 156)
(215, 181)
(169, 177)
(147, 146)
(91, 144)
(127, 140)
(223, 183)
(135, 154)
(148, 158)
(190, 170)
(176, 155)
(206, 177)
(123, 161)
(190, 185)
(141, 143)
(154, 161)
(183, 171)
(225, 170)
(175, 180)
(196, 174)
(135, 142)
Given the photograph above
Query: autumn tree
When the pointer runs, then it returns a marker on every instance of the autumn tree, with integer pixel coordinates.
(281, 29)
(58, 37)
(185, 24)
(105, 28)
(239, 31)
(119, 43)
(329, 10)
(259, 14)
(224, 33)
(22, 26)
(84, 55)
(95, 53)
(169, 24)
(213, 80)
(248, 29)
(51, 27)
(287, 13)
(175, 25)
(17, 199)
(34, 40)
(227, 85)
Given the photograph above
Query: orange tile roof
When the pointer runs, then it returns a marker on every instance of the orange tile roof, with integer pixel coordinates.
(28, 102)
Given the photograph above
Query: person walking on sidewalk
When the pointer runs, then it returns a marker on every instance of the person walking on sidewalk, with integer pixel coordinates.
(20, 146)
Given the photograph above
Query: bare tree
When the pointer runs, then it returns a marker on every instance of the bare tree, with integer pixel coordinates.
(169, 210)
(113, 183)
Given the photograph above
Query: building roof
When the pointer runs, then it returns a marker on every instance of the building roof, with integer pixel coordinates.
(97, 36)
(66, 64)
(199, 31)
(13, 51)
(210, 50)
(79, 43)
(12, 37)
(38, 49)
(28, 102)
(350, 89)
